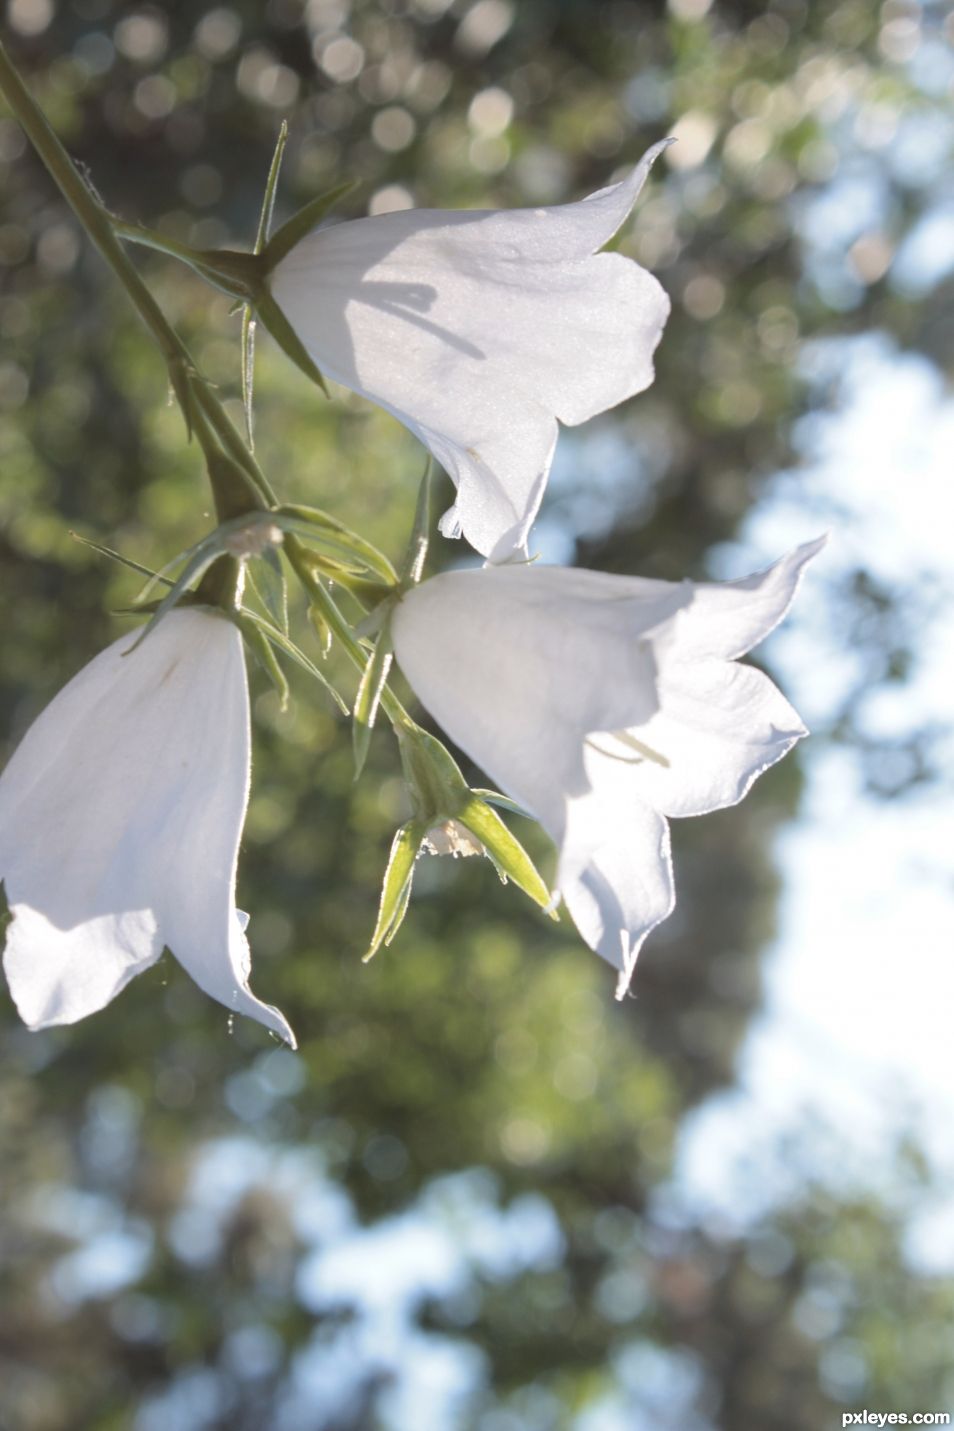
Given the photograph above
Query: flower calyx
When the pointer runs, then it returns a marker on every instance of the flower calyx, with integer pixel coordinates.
(449, 818)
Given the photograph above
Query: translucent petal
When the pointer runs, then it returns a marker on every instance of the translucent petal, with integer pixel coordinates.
(719, 726)
(518, 663)
(120, 818)
(479, 330)
(615, 870)
(532, 671)
(729, 618)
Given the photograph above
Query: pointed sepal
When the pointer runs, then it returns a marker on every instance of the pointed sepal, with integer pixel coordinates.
(373, 679)
(267, 576)
(260, 646)
(285, 238)
(248, 371)
(510, 859)
(412, 567)
(396, 886)
(287, 339)
(271, 188)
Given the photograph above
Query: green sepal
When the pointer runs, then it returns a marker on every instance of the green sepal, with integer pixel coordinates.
(205, 551)
(248, 370)
(504, 802)
(271, 188)
(203, 557)
(267, 576)
(285, 238)
(285, 644)
(396, 886)
(322, 630)
(136, 566)
(437, 787)
(372, 683)
(412, 567)
(439, 793)
(320, 527)
(287, 339)
(261, 648)
(399, 914)
(510, 859)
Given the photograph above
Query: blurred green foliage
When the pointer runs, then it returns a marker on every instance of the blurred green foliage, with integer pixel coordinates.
(485, 1038)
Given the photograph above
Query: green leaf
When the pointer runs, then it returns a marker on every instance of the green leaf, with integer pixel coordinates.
(271, 188)
(261, 648)
(248, 369)
(287, 339)
(136, 566)
(207, 545)
(396, 886)
(194, 570)
(285, 644)
(267, 576)
(506, 851)
(284, 239)
(368, 698)
(314, 525)
(503, 802)
(416, 554)
(322, 630)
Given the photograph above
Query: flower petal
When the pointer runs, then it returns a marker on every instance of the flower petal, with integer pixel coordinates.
(479, 330)
(120, 817)
(59, 975)
(729, 618)
(615, 870)
(519, 663)
(719, 727)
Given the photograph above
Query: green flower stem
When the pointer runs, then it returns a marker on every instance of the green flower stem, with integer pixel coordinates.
(202, 410)
(237, 274)
(190, 388)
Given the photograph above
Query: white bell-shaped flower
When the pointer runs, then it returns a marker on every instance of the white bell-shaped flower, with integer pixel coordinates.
(120, 818)
(479, 330)
(604, 704)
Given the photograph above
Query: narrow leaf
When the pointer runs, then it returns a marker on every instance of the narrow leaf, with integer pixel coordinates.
(248, 369)
(366, 703)
(136, 566)
(271, 188)
(396, 886)
(193, 571)
(335, 538)
(262, 649)
(267, 576)
(503, 847)
(208, 544)
(399, 914)
(504, 802)
(285, 644)
(416, 554)
(322, 629)
(284, 239)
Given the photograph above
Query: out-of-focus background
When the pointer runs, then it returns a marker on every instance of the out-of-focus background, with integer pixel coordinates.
(484, 1195)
